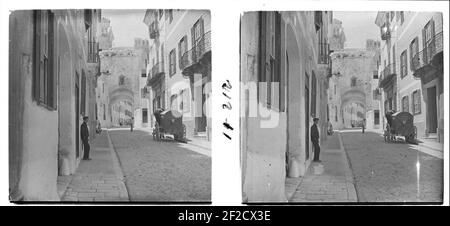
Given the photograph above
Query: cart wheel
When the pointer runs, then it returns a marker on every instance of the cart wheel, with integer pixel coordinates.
(415, 134)
(157, 134)
(387, 135)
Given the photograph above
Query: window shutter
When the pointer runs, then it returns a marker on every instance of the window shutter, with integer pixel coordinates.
(162, 57)
(394, 57)
(416, 49)
(37, 53)
(411, 65)
(432, 28)
(419, 101)
(185, 44)
(407, 104)
(192, 44)
(202, 28)
(180, 53)
(433, 48)
(405, 61)
(51, 82)
(424, 45)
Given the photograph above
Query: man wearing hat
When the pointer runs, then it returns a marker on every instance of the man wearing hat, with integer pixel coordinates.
(85, 138)
(315, 139)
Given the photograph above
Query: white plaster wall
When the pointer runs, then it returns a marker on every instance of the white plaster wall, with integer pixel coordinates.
(402, 36)
(181, 25)
(405, 33)
(38, 152)
(264, 163)
(41, 142)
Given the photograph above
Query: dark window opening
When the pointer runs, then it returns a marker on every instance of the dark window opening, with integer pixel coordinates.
(144, 115)
(44, 79)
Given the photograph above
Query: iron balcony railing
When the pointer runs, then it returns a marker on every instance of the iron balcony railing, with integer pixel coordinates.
(385, 31)
(158, 68)
(386, 75)
(194, 55)
(324, 51)
(153, 30)
(204, 45)
(424, 57)
(93, 48)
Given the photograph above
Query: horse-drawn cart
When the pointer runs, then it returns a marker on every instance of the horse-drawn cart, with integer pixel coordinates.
(169, 124)
(400, 124)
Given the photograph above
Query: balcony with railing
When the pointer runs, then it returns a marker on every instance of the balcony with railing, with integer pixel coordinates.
(153, 30)
(385, 31)
(157, 72)
(193, 60)
(387, 76)
(324, 52)
(430, 59)
(93, 48)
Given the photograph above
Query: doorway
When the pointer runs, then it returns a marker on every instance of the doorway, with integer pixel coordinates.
(431, 110)
(306, 116)
(77, 116)
(200, 121)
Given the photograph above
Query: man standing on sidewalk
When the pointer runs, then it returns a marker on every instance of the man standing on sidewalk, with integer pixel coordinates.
(315, 139)
(85, 138)
(131, 123)
(363, 125)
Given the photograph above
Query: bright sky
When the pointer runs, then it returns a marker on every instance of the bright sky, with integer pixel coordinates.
(358, 26)
(126, 25)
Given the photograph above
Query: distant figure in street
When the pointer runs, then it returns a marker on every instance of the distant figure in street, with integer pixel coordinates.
(85, 138)
(131, 124)
(330, 128)
(315, 139)
(363, 125)
(99, 127)
(389, 117)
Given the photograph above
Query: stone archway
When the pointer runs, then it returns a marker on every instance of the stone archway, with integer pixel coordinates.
(66, 106)
(118, 94)
(295, 116)
(348, 97)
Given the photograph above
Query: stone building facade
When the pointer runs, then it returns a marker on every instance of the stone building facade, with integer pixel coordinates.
(121, 71)
(353, 71)
(52, 78)
(337, 35)
(106, 37)
(180, 67)
(285, 68)
(411, 70)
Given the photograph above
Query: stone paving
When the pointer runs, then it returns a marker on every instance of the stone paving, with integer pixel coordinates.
(392, 172)
(162, 171)
(100, 179)
(330, 181)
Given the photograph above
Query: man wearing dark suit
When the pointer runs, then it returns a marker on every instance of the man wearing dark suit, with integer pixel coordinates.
(315, 139)
(85, 138)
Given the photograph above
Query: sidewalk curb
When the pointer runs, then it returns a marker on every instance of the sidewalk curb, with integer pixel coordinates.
(352, 193)
(117, 167)
(429, 147)
(199, 146)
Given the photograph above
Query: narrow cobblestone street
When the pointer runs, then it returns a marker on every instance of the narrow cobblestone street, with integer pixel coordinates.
(97, 180)
(392, 172)
(328, 181)
(162, 171)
